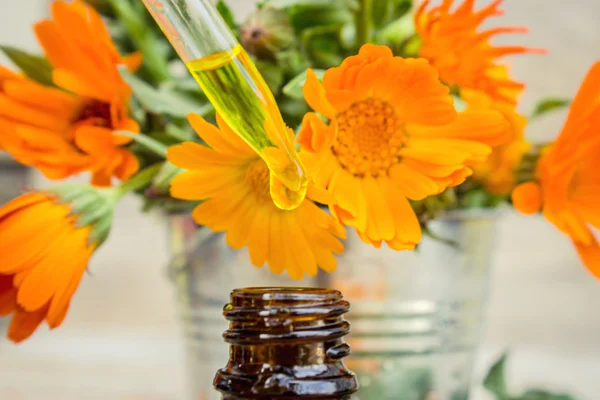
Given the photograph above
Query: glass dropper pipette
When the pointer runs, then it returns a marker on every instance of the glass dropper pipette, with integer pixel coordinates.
(236, 89)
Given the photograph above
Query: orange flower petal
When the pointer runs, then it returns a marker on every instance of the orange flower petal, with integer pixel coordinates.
(211, 134)
(314, 93)
(527, 198)
(590, 255)
(41, 97)
(319, 195)
(75, 83)
(322, 237)
(258, 243)
(315, 135)
(43, 279)
(129, 165)
(585, 106)
(133, 61)
(415, 185)
(72, 277)
(473, 151)
(436, 152)
(8, 295)
(373, 52)
(20, 202)
(485, 126)
(94, 140)
(380, 223)
(451, 39)
(16, 112)
(418, 95)
(349, 197)
(276, 260)
(190, 155)
(101, 178)
(432, 170)
(201, 184)
(24, 323)
(300, 254)
(21, 247)
(408, 228)
(240, 224)
(587, 97)
(233, 138)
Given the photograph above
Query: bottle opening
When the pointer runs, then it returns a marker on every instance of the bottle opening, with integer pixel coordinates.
(274, 296)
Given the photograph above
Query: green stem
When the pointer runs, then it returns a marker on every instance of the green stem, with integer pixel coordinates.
(140, 180)
(150, 144)
(363, 22)
(434, 236)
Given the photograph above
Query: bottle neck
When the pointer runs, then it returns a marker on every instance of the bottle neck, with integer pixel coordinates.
(286, 343)
(349, 397)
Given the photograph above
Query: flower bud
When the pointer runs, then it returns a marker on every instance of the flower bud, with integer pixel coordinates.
(267, 32)
(91, 206)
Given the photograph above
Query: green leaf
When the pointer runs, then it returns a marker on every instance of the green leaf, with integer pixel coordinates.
(293, 88)
(397, 31)
(164, 101)
(292, 110)
(351, 4)
(537, 394)
(322, 43)
(144, 38)
(303, 17)
(495, 382)
(186, 86)
(380, 10)
(549, 104)
(385, 11)
(227, 15)
(35, 67)
(101, 6)
(291, 61)
(180, 134)
(474, 198)
(272, 74)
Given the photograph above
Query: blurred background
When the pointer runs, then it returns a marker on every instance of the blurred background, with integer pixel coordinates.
(121, 339)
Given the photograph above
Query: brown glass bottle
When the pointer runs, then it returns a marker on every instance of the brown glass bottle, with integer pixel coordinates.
(286, 343)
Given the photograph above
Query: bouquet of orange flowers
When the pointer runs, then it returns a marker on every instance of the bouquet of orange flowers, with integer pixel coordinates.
(402, 111)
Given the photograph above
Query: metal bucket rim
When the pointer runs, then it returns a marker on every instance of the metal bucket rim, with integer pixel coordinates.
(177, 266)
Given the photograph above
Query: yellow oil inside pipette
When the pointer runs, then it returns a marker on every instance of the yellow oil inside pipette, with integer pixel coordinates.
(240, 95)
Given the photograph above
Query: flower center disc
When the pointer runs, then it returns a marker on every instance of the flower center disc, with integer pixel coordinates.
(369, 138)
(257, 179)
(96, 112)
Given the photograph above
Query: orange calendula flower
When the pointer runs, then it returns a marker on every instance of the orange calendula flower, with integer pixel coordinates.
(393, 135)
(497, 173)
(234, 182)
(69, 129)
(462, 54)
(567, 185)
(45, 246)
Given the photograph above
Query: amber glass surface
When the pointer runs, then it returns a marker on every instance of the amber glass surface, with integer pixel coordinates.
(286, 343)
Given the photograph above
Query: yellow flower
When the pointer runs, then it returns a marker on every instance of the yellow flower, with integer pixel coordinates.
(497, 173)
(462, 54)
(567, 184)
(393, 135)
(234, 182)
